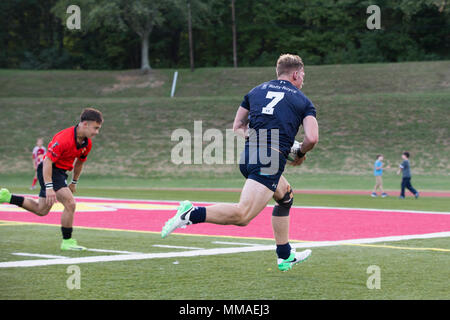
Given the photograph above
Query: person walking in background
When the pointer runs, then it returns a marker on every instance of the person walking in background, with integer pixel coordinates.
(405, 169)
(378, 173)
(37, 156)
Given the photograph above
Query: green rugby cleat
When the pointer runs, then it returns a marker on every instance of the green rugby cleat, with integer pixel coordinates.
(294, 258)
(5, 195)
(180, 220)
(71, 244)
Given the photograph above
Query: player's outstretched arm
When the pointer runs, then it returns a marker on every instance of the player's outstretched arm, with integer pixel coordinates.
(311, 128)
(77, 168)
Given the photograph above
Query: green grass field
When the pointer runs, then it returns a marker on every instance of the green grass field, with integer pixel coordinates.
(338, 272)
(413, 269)
(363, 110)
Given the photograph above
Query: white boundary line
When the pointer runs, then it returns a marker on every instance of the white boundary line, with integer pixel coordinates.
(113, 251)
(209, 252)
(48, 256)
(175, 247)
(236, 243)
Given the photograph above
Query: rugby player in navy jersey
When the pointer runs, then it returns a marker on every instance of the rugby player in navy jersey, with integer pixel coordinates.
(269, 118)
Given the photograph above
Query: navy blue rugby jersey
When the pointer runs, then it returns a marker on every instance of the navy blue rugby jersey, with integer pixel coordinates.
(277, 104)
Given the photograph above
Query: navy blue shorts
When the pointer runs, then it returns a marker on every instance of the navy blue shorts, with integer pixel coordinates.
(264, 172)
(59, 179)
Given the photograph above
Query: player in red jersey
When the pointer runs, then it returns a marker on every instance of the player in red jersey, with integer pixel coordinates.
(38, 156)
(67, 151)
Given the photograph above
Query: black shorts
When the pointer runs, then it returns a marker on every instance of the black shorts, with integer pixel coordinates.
(59, 179)
(267, 174)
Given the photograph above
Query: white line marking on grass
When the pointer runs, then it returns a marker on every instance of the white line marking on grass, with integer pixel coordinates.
(113, 251)
(49, 256)
(175, 247)
(236, 243)
(209, 252)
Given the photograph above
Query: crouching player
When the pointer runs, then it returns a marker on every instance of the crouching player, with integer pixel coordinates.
(67, 151)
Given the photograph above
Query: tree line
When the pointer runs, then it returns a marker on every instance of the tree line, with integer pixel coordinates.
(131, 34)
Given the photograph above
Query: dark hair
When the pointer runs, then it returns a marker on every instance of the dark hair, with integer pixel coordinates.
(406, 153)
(378, 155)
(91, 114)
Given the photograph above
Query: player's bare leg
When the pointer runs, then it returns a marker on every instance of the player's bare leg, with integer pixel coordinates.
(254, 198)
(65, 196)
(280, 224)
(287, 257)
(40, 207)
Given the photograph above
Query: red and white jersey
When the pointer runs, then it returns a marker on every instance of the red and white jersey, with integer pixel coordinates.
(38, 155)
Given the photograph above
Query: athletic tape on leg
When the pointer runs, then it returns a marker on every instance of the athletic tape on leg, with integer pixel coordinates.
(284, 205)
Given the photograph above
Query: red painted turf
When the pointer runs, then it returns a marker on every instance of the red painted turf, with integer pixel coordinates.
(314, 224)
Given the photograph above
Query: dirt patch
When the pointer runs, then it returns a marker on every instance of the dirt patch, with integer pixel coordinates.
(134, 80)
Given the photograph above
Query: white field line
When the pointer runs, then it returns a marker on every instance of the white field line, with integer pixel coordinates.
(48, 256)
(175, 247)
(236, 243)
(209, 252)
(113, 251)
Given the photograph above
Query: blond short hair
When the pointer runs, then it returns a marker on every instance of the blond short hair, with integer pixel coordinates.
(287, 63)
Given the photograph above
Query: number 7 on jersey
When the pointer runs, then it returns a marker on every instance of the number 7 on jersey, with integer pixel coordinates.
(276, 97)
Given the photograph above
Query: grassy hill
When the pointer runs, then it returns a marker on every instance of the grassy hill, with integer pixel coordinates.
(327, 80)
(362, 110)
